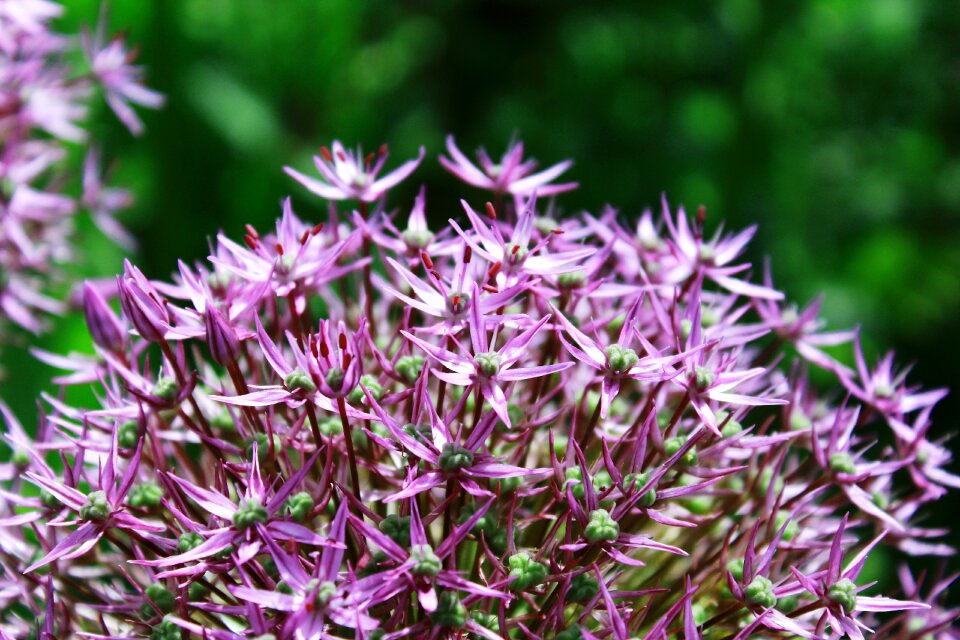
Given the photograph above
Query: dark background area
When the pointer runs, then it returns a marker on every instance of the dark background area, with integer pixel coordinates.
(834, 124)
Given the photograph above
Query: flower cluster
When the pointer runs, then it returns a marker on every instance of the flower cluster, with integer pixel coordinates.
(45, 94)
(517, 426)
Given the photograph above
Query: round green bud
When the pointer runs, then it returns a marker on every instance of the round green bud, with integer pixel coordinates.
(620, 359)
(731, 428)
(602, 481)
(602, 527)
(760, 592)
(145, 496)
(330, 427)
(166, 389)
(507, 485)
(426, 562)
(299, 379)
(298, 506)
(674, 444)
(248, 513)
(583, 587)
(571, 280)
(486, 524)
(162, 599)
(638, 481)
(708, 316)
(707, 253)
(283, 587)
(166, 630)
(842, 462)
(49, 500)
(525, 571)
(498, 541)
(128, 435)
(735, 567)
(560, 445)
(788, 604)
(767, 478)
(575, 478)
(96, 507)
(880, 499)
(325, 591)
(699, 614)
(263, 446)
(396, 528)
(799, 420)
(792, 528)
(20, 459)
(485, 620)
(844, 593)
(334, 378)
(454, 457)
(223, 421)
(418, 238)
(189, 541)
(703, 377)
(225, 553)
(423, 433)
(373, 386)
(409, 367)
(450, 611)
(487, 363)
(197, 592)
(686, 327)
(698, 505)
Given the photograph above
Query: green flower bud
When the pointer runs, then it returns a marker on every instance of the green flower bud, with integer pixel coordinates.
(704, 377)
(450, 611)
(145, 496)
(409, 367)
(325, 591)
(638, 481)
(225, 553)
(844, 593)
(498, 542)
(373, 386)
(699, 614)
(760, 592)
(842, 462)
(334, 378)
(708, 316)
(792, 529)
(507, 485)
(526, 571)
(223, 421)
(189, 541)
(96, 507)
(799, 420)
(674, 444)
(426, 561)
(620, 359)
(698, 505)
(582, 588)
(515, 414)
(397, 529)
(423, 433)
(20, 459)
(299, 379)
(735, 567)
(601, 527)
(686, 327)
(571, 280)
(575, 478)
(128, 435)
(418, 238)
(880, 499)
(788, 604)
(263, 446)
(298, 506)
(49, 500)
(602, 481)
(454, 457)
(197, 592)
(248, 513)
(166, 630)
(485, 620)
(162, 599)
(766, 479)
(487, 363)
(283, 587)
(166, 389)
(560, 445)
(330, 427)
(486, 524)
(731, 428)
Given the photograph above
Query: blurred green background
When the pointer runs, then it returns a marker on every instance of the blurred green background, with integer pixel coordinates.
(832, 123)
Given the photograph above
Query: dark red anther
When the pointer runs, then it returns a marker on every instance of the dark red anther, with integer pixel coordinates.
(491, 212)
(317, 229)
(347, 358)
(324, 349)
(342, 156)
(467, 254)
(701, 214)
(383, 149)
(370, 157)
(427, 262)
(494, 270)
(558, 231)
(252, 231)
(305, 237)
(456, 300)
(489, 288)
(343, 341)
(515, 250)
(279, 248)
(435, 273)
(250, 241)
(326, 154)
